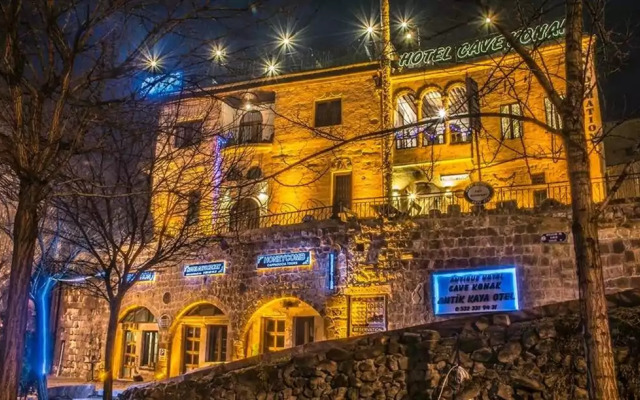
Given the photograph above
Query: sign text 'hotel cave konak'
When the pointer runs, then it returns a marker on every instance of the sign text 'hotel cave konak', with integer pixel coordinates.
(481, 47)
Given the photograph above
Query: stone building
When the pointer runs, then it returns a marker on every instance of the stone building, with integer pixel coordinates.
(314, 249)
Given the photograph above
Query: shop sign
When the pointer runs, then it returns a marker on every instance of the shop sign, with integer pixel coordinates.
(481, 47)
(146, 276)
(554, 237)
(298, 259)
(212, 268)
(367, 314)
(475, 291)
(478, 193)
(162, 354)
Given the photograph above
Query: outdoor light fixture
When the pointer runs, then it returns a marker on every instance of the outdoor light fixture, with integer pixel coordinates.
(404, 24)
(442, 113)
(152, 61)
(487, 20)
(271, 68)
(408, 36)
(413, 196)
(218, 52)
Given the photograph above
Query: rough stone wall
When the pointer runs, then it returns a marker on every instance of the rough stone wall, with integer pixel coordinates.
(392, 258)
(489, 357)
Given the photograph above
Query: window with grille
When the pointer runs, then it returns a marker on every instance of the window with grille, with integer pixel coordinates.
(511, 126)
(273, 334)
(304, 329)
(432, 112)
(328, 113)
(406, 113)
(191, 356)
(188, 134)
(216, 343)
(149, 355)
(551, 114)
(538, 179)
(193, 207)
(459, 126)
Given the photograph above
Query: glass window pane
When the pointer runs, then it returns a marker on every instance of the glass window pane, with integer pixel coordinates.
(281, 326)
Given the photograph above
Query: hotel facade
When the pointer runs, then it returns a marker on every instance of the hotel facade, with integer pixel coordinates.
(312, 248)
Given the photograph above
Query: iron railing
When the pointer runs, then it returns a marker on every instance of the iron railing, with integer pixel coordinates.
(505, 199)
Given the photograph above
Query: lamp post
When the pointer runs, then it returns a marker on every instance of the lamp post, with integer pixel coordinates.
(386, 98)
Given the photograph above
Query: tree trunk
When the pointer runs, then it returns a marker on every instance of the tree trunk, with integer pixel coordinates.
(114, 310)
(25, 231)
(386, 99)
(601, 376)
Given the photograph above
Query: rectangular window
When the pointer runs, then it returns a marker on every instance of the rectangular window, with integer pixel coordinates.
(149, 349)
(512, 128)
(129, 358)
(191, 356)
(433, 133)
(459, 130)
(303, 328)
(406, 139)
(538, 179)
(273, 334)
(328, 113)
(551, 114)
(188, 134)
(216, 343)
(193, 207)
(539, 196)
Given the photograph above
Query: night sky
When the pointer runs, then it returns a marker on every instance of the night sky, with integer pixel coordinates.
(334, 24)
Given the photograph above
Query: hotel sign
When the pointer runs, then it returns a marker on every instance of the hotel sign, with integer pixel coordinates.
(146, 276)
(267, 261)
(367, 314)
(213, 268)
(481, 47)
(475, 291)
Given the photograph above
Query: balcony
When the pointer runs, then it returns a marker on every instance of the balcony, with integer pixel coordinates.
(525, 198)
(250, 134)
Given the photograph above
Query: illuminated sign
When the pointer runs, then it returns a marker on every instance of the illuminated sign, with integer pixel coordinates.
(146, 276)
(481, 47)
(267, 261)
(367, 314)
(475, 291)
(213, 268)
(478, 193)
(162, 84)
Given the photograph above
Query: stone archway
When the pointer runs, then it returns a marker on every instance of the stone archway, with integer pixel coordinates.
(200, 336)
(280, 324)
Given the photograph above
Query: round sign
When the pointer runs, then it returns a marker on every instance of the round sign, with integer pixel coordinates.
(478, 193)
(164, 321)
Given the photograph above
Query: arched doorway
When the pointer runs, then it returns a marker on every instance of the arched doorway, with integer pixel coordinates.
(281, 324)
(245, 214)
(139, 337)
(200, 339)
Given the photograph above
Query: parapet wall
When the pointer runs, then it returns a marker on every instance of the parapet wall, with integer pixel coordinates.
(536, 355)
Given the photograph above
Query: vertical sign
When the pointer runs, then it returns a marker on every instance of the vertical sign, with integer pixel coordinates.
(473, 291)
(367, 314)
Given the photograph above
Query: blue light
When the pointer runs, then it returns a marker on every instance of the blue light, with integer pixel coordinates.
(162, 85)
(332, 272)
(42, 302)
(146, 276)
(492, 289)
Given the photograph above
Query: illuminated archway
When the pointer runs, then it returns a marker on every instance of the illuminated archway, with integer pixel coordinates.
(280, 324)
(137, 341)
(200, 337)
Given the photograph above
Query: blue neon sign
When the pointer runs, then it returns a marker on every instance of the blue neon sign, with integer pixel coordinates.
(212, 268)
(298, 259)
(475, 291)
(162, 85)
(146, 276)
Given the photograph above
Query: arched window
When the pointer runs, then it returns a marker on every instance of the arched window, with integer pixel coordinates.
(254, 173)
(459, 127)
(204, 310)
(139, 315)
(245, 214)
(406, 113)
(250, 128)
(140, 342)
(433, 113)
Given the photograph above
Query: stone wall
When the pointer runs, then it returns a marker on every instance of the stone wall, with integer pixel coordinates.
(535, 355)
(392, 258)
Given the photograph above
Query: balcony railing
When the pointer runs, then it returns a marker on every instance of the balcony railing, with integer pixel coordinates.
(505, 199)
(250, 134)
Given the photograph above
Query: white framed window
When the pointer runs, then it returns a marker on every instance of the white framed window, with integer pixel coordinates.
(511, 127)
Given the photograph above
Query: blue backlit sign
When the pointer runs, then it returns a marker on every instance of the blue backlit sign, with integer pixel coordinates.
(146, 276)
(162, 84)
(213, 268)
(475, 291)
(267, 261)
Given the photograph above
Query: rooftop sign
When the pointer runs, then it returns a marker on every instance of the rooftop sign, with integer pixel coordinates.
(475, 291)
(481, 47)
